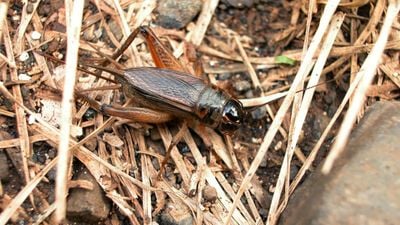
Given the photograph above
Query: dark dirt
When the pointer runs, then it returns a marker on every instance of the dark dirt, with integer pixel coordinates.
(262, 22)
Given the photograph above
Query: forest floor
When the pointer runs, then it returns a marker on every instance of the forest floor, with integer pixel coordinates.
(294, 65)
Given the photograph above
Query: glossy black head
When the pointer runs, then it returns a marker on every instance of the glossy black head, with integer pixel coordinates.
(232, 116)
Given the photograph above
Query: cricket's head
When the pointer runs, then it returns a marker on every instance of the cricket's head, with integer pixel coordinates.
(232, 116)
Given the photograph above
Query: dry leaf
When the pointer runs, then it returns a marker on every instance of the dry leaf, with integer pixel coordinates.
(113, 140)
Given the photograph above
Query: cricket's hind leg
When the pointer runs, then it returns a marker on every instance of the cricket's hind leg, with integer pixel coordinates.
(162, 56)
(136, 114)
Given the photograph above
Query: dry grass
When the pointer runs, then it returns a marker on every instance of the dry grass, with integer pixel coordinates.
(125, 165)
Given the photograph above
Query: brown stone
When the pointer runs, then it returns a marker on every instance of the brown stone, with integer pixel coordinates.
(364, 185)
(176, 214)
(210, 194)
(88, 206)
(177, 14)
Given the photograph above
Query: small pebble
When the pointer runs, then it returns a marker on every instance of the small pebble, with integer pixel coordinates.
(29, 8)
(261, 8)
(259, 113)
(264, 163)
(89, 114)
(76, 131)
(329, 99)
(24, 56)
(39, 157)
(98, 33)
(52, 153)
(52, 174)
(16, 18)
(88, 34)
(155, 135)
(31, 119)
(183, 148)
(176, 214)
(115, 29)
(224, 76)
(177, 14)
(53, 46)
(44, 9)
(222, 6)
(36, 35)
(58, 55)
(213, 63)
(256, 140)
(293, 171)
(240, 3)
(242, 85)
(210, 194)
(249, 94)
(24, 76)
(271, 188)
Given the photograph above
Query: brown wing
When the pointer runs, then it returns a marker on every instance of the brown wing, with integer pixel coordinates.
(164, 88)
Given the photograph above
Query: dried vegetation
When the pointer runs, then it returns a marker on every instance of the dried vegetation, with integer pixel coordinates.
(339, 52)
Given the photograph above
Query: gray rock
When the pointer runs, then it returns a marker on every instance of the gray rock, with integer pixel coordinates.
(364, 185)
(176, 14)
(87, 206)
